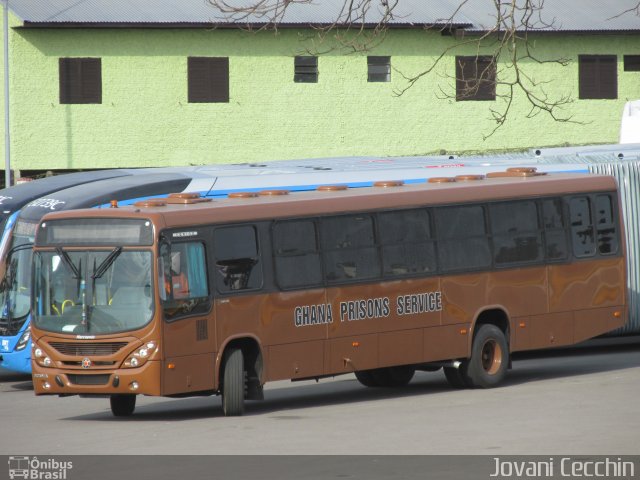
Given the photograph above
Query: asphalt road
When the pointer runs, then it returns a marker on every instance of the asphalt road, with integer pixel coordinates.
(583, 401)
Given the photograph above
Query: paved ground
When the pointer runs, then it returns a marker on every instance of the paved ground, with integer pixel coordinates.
(584, 401)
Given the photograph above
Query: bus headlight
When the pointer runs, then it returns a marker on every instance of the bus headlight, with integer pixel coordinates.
(24, 340)
(40, 357)
(141, 355)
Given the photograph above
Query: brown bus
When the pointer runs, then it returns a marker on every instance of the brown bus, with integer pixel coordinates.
(182, 296)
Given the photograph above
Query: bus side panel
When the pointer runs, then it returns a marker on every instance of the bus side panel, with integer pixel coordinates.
(522, 291)
(189, 373)
(551, 330)
(591, 323)
(446, 342)
(296, 360)
(587, 284)
(583, 298)
(348, 354)
(381, 325)
(291, 326)
(462, 297)
(189, 344)
(401, 348)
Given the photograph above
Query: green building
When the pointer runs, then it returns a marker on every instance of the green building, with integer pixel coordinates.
(103, 83)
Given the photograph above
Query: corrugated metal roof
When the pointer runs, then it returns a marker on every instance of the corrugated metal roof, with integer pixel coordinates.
(560, 15)
(563, 15)
(318, 12)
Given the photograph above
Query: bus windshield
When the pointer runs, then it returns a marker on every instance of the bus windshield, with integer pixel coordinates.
(96, 292)
(15, 291)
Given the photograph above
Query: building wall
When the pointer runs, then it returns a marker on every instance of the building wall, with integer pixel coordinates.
(146, 120)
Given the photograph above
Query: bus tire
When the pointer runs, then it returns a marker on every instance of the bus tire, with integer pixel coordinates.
(366, 378)
(234, 382)
(122, 405)
(489, 358)
(456, 377)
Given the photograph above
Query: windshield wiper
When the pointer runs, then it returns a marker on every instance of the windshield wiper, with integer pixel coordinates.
(77, 274)
(106, 263)
(68, 262)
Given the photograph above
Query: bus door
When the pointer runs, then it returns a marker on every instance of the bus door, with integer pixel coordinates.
(188, 323)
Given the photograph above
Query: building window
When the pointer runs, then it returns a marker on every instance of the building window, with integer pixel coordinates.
(378, 69)
(208, 79)
(305, 69)
(632, 63)
(80, 80)
(475, 78)
(598, 76)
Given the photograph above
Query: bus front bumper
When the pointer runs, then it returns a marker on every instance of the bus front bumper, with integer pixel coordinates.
(144, 380)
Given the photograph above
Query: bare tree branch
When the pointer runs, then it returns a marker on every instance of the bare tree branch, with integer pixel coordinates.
(505, 40)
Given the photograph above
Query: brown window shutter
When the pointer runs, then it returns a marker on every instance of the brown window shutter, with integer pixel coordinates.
(475, 78)
(305, 69)
(378, 69)
(632, 63)
(208, 79)
(80, 80)
(598, 77)
(608, 77)
(91, 74)
(486, 75)
(219, 71)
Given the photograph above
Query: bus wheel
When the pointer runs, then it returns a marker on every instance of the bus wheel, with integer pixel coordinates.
(122, 405)
(233, 385)
(366, 378)
(489, 357)
(456, 377)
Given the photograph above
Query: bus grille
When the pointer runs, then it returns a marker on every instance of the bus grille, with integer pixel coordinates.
(88, 379)
(79, 349)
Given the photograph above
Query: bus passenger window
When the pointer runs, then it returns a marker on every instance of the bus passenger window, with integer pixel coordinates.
(407, 247)
(555, 237)
(582, 235)
(295, 248)
(349, 250)
(463, 243)
(516, 233)
(606, 226)
(237, 261)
